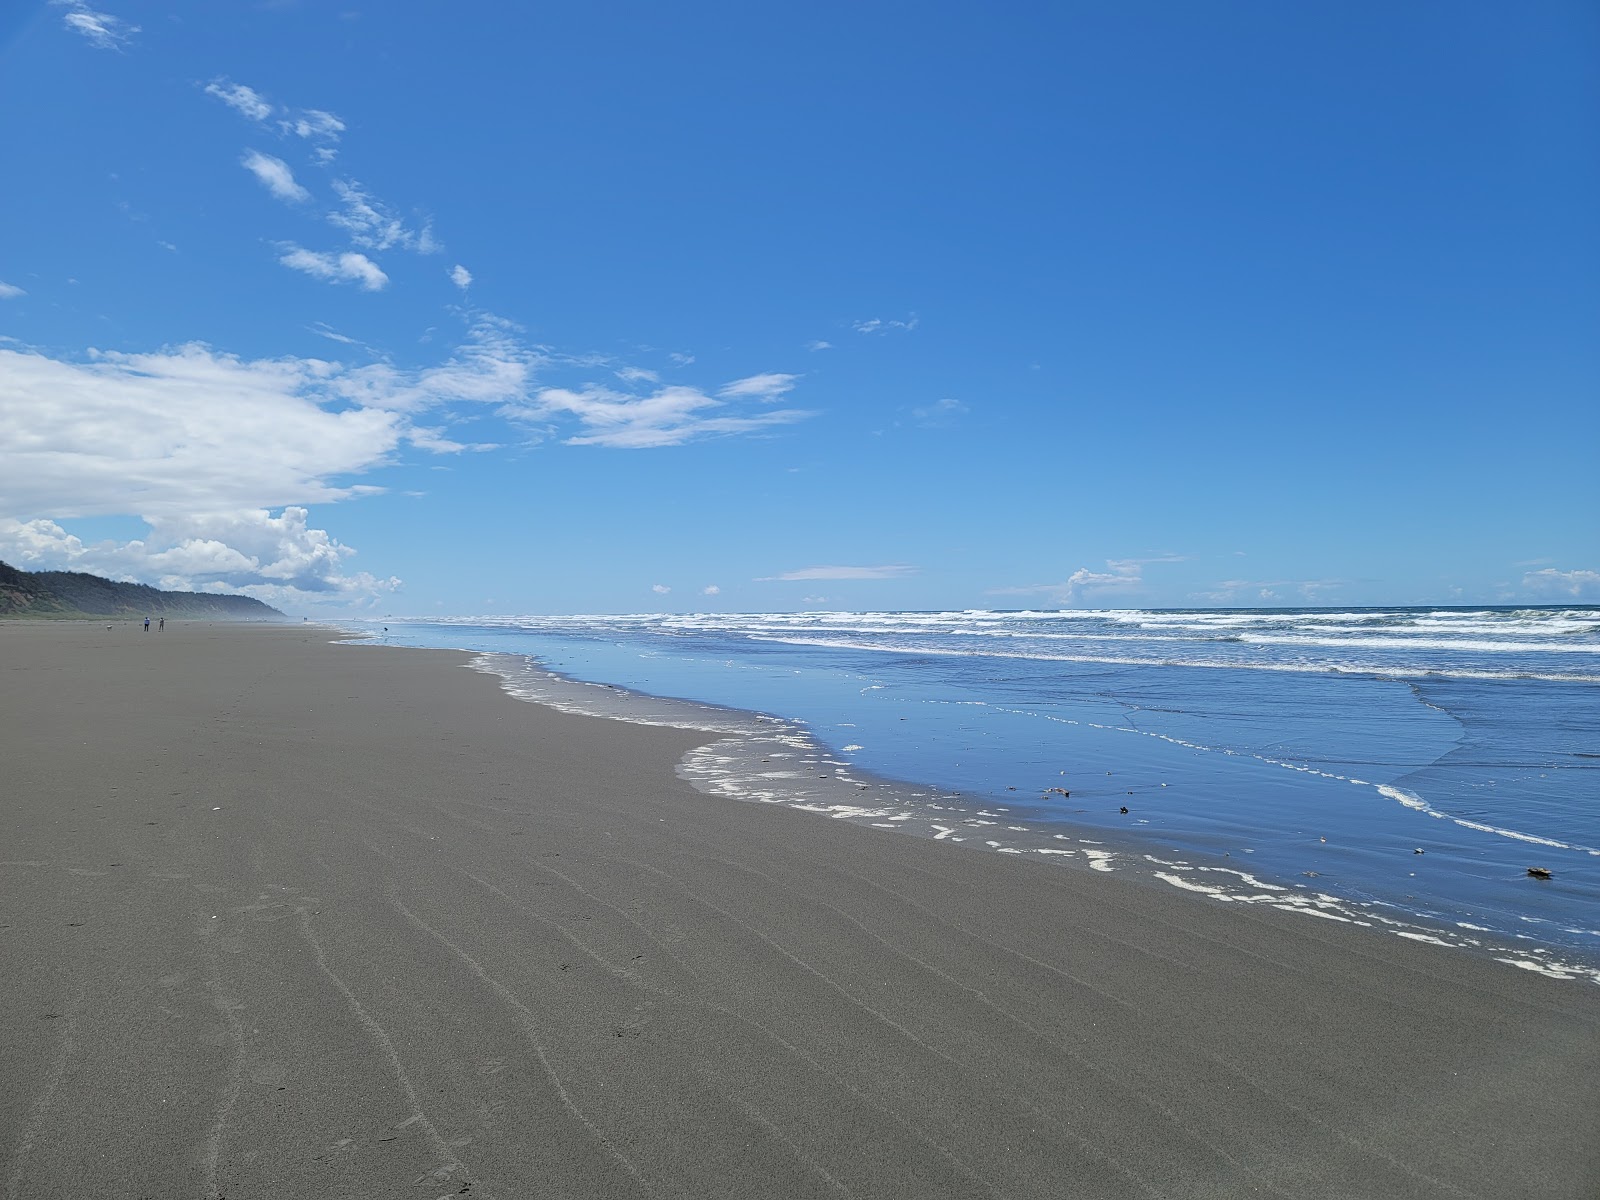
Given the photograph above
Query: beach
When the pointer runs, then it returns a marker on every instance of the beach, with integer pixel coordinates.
(286, 917)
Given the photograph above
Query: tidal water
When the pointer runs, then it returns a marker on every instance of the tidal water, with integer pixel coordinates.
(1400, 768)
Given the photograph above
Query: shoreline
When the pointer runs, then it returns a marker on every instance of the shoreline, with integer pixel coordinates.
(730, 768)
(284, 917)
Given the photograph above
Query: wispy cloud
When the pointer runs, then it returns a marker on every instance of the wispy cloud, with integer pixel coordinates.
(373, 225)
(940, 412)
(1270, 591)
(819, 345)
(275, 176)
(894, 571)
(10, 291)
(711, 589)
(348, 267)
(660, 589)
(880, 325)
(461, 277)
(1550, 582)
(435, 441)
(245, 101)
(637, 375)
(670, 416)
(313, 124)
(101, 29)
(766, 388)
(321, 329)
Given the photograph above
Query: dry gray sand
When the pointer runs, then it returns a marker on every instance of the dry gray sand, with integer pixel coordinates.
(280, 918)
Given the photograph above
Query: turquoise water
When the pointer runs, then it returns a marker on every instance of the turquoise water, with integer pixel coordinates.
(1408, 763)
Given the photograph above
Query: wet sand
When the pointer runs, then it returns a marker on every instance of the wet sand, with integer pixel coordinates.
(280, 918)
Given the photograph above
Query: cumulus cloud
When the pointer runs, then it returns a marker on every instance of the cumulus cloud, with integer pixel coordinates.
(245, 101)
(895, 571)
(348, 267)
(10, 291)
(278, 557)
(181, 430)
(711, 589)
(660, 589)
(1550, 582)
(461, 277)
(275, 176)
(187, 430)
(765, 388)
(102, 30)
(372, 224)
(1120, 575)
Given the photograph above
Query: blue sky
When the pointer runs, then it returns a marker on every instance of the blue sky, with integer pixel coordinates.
(415, 308)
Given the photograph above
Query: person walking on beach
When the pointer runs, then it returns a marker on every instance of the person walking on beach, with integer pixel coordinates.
(161, 625)
(147, 624)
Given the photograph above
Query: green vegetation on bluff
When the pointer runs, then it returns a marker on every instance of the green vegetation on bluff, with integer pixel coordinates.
(68, 594)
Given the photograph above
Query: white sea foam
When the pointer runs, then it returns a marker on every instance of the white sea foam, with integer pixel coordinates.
(1555, 645)
(1415, 802)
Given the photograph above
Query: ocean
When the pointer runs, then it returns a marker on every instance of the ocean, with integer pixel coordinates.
(1400, 768)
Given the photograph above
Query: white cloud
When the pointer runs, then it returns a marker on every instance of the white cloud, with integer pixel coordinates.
(103, 30)
(1233, 591)
(660, 589)
(348, 267)
(372, 224)
(169, 434)
(333, 335)
(435, 441)
(1550, 582)
(896, 571)
(1120, 575)
(175, 431)
(940, 412)
(245, 101)
(766, 388)
(461, 277)
(669, 417)
(314, 125)
(819, 345)
(681, 360)
(276, 557)
(491, 367)
(187, 430)
(10, 291)
(879, 325)
(711, 589)
(637, 375)
(275, 176)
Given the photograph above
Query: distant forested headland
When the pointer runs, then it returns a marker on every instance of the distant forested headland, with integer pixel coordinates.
(67, 594)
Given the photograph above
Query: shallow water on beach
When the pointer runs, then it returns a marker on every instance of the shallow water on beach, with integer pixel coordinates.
(1386, 767)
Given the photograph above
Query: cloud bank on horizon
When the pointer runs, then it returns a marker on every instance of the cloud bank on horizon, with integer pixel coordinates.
(168, 422)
